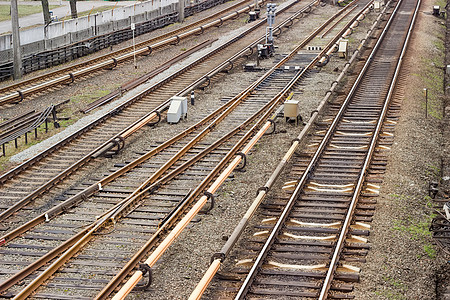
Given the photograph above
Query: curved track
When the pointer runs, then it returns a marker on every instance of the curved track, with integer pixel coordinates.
(23, 184)
(155, 205)
(41, 84)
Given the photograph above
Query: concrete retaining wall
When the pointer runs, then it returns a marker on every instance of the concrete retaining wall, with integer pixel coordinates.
(62, 33)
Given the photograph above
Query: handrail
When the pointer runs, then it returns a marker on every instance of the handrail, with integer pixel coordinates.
(37, 122)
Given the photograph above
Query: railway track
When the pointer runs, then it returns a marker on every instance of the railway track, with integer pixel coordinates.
(144, 209)
(23, 184)
(41, 84)
(311, 242)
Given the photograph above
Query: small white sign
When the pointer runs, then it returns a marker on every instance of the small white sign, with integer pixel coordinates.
(133, 26)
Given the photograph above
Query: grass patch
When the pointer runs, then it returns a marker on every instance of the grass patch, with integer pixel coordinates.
(90, 97)
(391, 295)
(430, 251)
(89, 12)
(393, 289)
(441, 3)
(419, 230)
(24, 10)
(432, 79)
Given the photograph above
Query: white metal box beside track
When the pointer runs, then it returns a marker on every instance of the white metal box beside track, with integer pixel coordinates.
(177, 109)
(291, 109)
(343, 48)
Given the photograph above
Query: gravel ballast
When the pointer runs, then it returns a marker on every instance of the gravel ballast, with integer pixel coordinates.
(403, 262)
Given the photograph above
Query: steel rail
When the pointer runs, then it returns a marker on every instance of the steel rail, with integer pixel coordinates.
(252, 45)
(200, 203)
(219, 257)
(97, 186)
(142, 79)
(105, 181)
(112, 141)
(306, 174)
(344, 35)
(137, 124)
(16, 85)
(339, 20)
(138, 192)
(349, 216)
(123, 207)
(114, 61)
(166, 243)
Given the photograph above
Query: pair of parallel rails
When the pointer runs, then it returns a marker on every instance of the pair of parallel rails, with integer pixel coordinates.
(54, 57)
(41, 84)
(22, 185)
(312, 242)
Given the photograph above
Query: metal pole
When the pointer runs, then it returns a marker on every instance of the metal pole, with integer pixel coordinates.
(17, 54)
(426, 103)
(133, 27)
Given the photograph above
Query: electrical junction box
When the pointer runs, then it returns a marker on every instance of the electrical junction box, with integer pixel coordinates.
(436, 10)
(177, 109)
(377, 4)
(343, 48)
(291, 109)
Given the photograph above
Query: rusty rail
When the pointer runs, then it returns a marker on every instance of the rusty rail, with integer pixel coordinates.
(157, 253)
(111, 215)
(112, 62)
(120, 137)
(309, 169)
(219, 257)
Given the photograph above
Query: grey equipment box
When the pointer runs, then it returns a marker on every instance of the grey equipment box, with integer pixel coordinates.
(177, 109)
